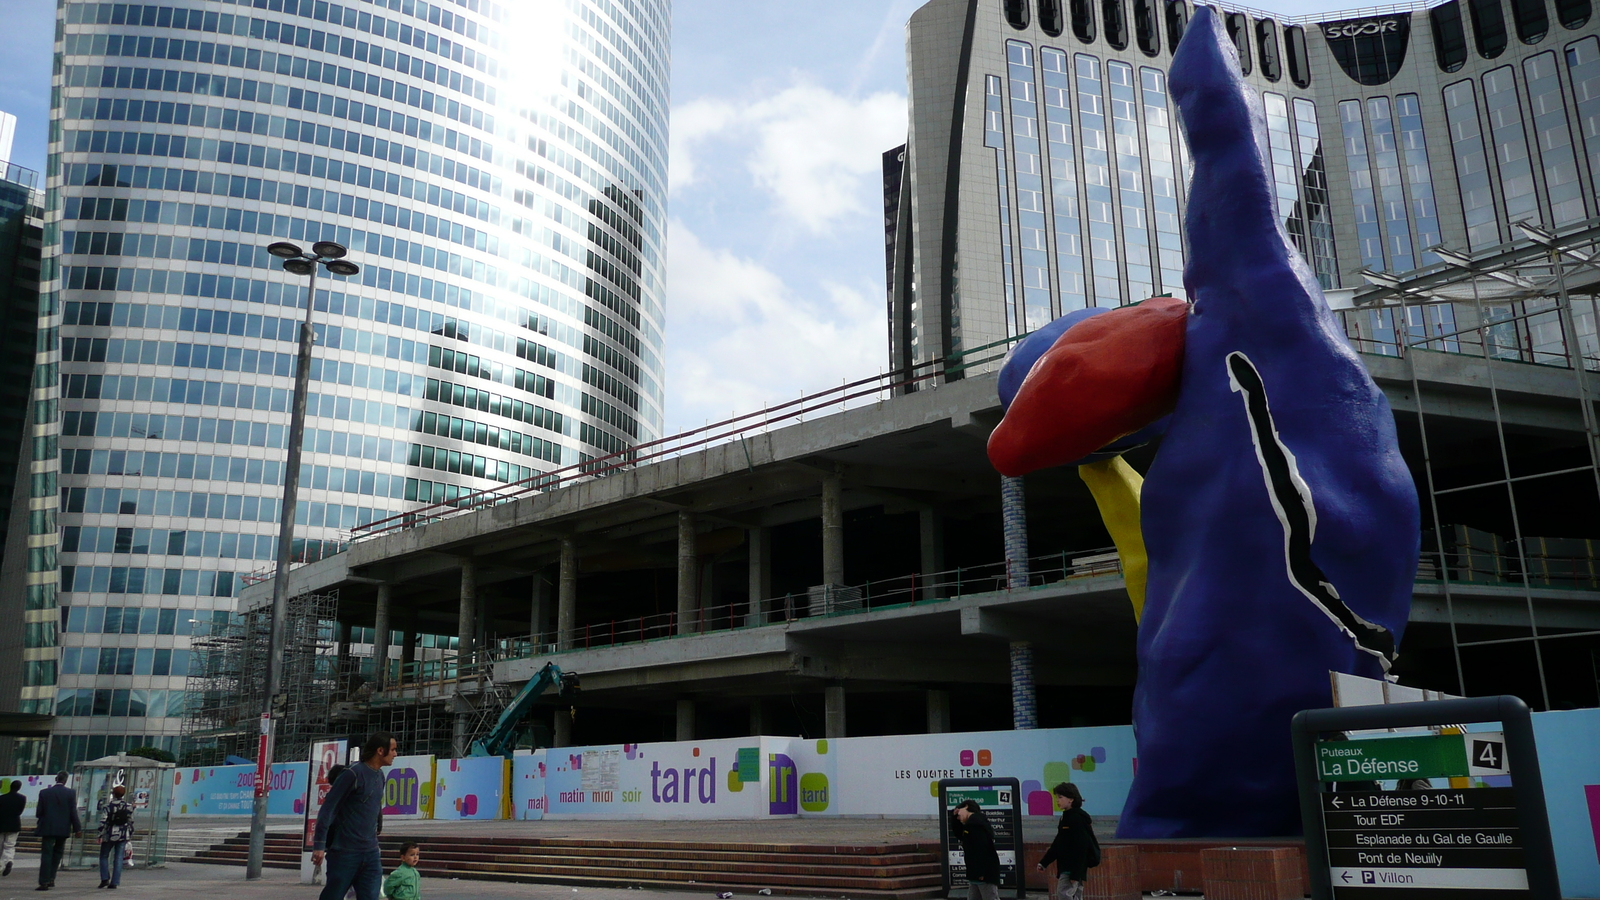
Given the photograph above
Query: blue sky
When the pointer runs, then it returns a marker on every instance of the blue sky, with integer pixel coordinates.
(775, 252)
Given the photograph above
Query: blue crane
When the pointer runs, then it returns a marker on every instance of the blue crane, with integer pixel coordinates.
(501, 739)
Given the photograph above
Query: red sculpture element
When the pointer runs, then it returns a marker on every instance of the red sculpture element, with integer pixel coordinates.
(1104, 378)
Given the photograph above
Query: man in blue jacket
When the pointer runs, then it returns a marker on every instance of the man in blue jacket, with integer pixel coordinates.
(57, 813)
(348, 824)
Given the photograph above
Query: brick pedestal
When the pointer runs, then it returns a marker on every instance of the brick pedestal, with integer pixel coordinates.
(1117, 876)
(1251, 873)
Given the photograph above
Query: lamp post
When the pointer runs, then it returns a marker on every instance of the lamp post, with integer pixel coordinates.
(330, 256)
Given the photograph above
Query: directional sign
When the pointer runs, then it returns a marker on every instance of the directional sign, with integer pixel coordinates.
(1000, 800)
(1463, 843)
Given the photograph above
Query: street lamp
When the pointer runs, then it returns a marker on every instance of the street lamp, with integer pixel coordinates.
(330, 256)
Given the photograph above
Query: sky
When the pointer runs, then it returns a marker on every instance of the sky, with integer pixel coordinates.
(780, 115)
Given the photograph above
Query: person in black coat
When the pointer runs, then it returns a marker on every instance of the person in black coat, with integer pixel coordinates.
(971, 827)
(57, 812)
(12, 803)
(1074, 843)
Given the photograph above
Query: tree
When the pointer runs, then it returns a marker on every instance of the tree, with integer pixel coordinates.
(155, 753)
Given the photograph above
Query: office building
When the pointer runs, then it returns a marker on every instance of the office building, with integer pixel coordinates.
(498, 172)
(27, 530)
(1046, 169)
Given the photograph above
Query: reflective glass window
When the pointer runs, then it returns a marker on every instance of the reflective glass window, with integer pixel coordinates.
(1238, 25)
(994, 137)
(1267, 46)
(1471, 154)
(1067, 219)
(1028, 169)
(1285, 168)
(1051, 19)
(1518, 188)
(1131, 193)
(1017, 13)
(1583, 68)
(1573, 13)
(1551, 132)
(1533, 23)
(1419, 177)
(1165, 214)
(1294, 40)
(1116, 23)
(1385, 152)
(1177, 21)
(1369, 233)
(1488, 27)
(1147, 26)
(1099, 197)
(1083, 15)
(1449, 35)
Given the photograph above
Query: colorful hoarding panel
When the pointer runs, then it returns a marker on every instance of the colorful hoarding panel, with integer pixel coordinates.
(722, 779)
(408, 788)
(527, 784)
(31, 786)
(230, 790)
(1569, 765)
(474, 788)
(897, 775)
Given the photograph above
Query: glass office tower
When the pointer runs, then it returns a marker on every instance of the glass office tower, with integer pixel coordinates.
(499, 173)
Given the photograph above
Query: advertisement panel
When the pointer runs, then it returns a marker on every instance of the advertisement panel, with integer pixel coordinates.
(230, 790)
(408, 788)
(324, 755)
(1570, 769)
(527, 784)
(474, 788)
(721, 779)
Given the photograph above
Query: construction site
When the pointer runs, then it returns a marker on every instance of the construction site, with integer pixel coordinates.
(840, 565)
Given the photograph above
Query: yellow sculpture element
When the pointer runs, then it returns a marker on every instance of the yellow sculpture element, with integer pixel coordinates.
(1115, 486)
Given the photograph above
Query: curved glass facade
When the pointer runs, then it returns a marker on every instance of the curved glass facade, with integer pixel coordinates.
(499, 173)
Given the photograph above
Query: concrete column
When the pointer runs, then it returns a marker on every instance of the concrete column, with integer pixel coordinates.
(567, 595)
(1024, 712)
(537, 614)
(342, 654)
(467, 608)
(758, 717)
(561, 732)
(483, 622)
(938, 712)
(759, 541)
(832, 529)
(688, 574)
(685, 719)
(930, 534)
(1014, 521)
(380, 641)
(833, 711)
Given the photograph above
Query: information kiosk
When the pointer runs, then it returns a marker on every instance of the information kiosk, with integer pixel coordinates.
(1417, 800)
(1001, 802)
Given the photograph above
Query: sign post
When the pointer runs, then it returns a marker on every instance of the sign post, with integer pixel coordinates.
(1001, 801)
(1468, 841)
(324, 756)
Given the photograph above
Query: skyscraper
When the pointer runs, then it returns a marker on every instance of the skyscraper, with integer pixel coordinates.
(1045, 170)
(498, 171)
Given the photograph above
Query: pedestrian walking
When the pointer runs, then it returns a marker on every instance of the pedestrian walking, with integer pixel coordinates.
(1075, 850)
(348, 824)
(971, 827)
(57, 815)
(116, 830)
(12, 804)
(405, 883)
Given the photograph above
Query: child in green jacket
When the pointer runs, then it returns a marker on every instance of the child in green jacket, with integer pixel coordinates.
(404, 883)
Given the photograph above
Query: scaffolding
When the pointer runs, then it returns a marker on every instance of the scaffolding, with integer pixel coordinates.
(1534, 302)
(227, 677)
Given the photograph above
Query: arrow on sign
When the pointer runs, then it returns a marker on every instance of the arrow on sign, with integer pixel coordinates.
(1337, 803)
(1345, 876)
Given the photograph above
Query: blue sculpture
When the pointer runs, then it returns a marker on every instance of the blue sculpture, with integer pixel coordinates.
(1280, 522)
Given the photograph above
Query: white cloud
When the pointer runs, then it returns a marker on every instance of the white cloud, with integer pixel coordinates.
(815, 152)
(739, 337)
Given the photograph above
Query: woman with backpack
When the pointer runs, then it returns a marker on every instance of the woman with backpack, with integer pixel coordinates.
(116, 830)
(1075, 850)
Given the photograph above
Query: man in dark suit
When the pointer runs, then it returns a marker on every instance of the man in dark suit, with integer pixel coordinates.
(57, 812)
(12, 803)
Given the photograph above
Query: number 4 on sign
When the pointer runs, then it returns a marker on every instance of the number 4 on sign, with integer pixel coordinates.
(1486, 754)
